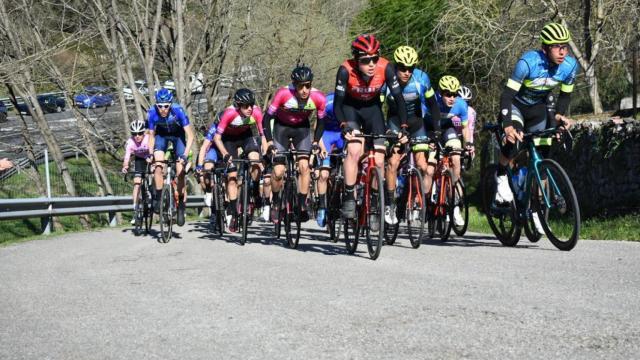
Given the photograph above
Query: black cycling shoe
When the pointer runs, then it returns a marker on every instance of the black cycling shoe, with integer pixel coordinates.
(349, 209)
(181, 209)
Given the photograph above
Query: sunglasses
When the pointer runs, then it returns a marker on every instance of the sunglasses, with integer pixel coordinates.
(368, 59)
(163, 106)
(560, 46)
(403, 68)
(449, 94)
(137, 133)
(306, 85)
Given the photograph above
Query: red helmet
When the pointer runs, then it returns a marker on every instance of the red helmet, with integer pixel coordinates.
(365, 44)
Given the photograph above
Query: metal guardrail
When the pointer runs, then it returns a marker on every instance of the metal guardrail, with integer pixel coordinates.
(45, 208)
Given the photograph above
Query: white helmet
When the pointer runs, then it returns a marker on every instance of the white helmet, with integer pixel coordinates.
(465, 93)
(137, 126)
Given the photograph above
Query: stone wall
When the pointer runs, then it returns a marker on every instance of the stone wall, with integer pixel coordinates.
(604, 166)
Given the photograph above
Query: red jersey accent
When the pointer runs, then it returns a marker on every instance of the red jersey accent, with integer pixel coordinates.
(357, 88)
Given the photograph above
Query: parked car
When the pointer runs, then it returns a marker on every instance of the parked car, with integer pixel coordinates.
(95, 96)
(3, 112)
(196, 83)
(142, 88)
(49, 103)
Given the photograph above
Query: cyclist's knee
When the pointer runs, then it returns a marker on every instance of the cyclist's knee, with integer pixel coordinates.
(324, 175)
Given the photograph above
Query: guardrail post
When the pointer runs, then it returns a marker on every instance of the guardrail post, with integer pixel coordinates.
(113, 220)
(47, 221)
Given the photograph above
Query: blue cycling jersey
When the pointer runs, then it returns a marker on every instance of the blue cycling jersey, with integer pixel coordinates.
(330, 121)
(534, 77)
(459, 110)
(415, 92)
(212, 131)
(173, 124)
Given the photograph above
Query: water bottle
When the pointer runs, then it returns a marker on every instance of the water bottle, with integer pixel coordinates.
(400, 185)
(519, 180)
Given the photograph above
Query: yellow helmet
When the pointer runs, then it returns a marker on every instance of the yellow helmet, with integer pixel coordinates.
(405, 55)
(449, 83)
(554, 33)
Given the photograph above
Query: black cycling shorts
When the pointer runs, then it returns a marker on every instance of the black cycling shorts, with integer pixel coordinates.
(139, 167)
(366, 117)
(246, 141)
(300, 137)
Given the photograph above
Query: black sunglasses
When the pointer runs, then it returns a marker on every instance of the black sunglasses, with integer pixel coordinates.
(137, 133)
(368, 59)
(403, 68)
(306, 85)
(449, 94)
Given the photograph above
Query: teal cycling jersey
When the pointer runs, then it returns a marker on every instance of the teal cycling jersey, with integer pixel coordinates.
(534, 77)
(415, 92)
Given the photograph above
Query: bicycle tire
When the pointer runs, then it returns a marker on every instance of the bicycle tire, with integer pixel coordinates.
(503, 219)
(444, 220)
(375, 211)
(243, 211)
(334, 193)
(415, 229)
(565, 211)
(166, 214)
(461, 203)
(138, 214)
(290, 216)
(148, 210)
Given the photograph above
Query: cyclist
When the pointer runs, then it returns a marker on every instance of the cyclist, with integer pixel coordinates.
(239, 126)
(331, 140)
(523, 103)
(138, 145)
(291, 108)
(209, 155)
(168, 123)
(466, 95)
(418, 94)
(357, 107)
(453, 123)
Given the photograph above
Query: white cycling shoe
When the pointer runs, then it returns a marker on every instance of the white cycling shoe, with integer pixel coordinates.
(503, 194)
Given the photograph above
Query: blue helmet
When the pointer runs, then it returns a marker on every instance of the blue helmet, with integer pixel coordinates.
(164, 96)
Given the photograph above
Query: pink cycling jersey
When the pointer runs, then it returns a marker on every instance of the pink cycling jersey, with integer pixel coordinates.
(232, 122)
(287, 110)
(140, 149)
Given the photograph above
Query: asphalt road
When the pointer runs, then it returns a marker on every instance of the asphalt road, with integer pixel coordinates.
(111, 295)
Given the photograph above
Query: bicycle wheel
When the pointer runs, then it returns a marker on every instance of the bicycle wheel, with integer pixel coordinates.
(536, 199)
(166, 213)
(375, 212)
(460, 203)
(558, 212)
(391, 231)
(444, 207)
(334, 194)
(138, 214)
(147, 210)
(243, 212)
(502, 218)
(415, 209)
(291, 218)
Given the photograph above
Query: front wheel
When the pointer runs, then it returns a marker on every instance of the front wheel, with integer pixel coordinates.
(415, 209)
(291, 219)
(374, 216)
(557, 208)
(460, 209)
(166, 213)
(502, 218)
(243, 212)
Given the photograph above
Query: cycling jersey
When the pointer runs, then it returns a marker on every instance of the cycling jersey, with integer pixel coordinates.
(331, 123)
(288, 110)
(455, 117)
(140, 150)
(539, 77)
(173, 124)
(233, 122)
(357, 88)
(415, 93)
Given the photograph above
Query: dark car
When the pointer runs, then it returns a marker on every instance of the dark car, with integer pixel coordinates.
(49, 103)
(94, 96)
(3, 112)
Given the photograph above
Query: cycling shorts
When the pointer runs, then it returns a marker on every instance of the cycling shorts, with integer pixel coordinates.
(162, 143)
(300, 137)
(416, 129)
(246, 141)
(527, 118)
(139, 167)
(366, 117)
(332, 140)
(212, 155)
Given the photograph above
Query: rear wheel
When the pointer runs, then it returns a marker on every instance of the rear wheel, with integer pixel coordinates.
(559, 212)
(444, 206)
(502, 218)
(374, 217)
(333, 211)
(291, 218)
(415, 209)
(166, 213)
(244, 211)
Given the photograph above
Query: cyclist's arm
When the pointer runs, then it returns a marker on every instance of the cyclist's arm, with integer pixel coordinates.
(217, 139)
(396, 91)
(511, 90)
(190, 137)
(206, 144)
(434, 110)
(321, 115)
(152, 140)
(128, 149)
(266, 126)
(342, 78)
(317, 135)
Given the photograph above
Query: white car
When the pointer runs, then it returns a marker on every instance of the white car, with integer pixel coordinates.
(196, 83)
(142, 88)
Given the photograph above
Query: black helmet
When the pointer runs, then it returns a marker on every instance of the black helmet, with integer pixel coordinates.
(301, 73)
(244, 97)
